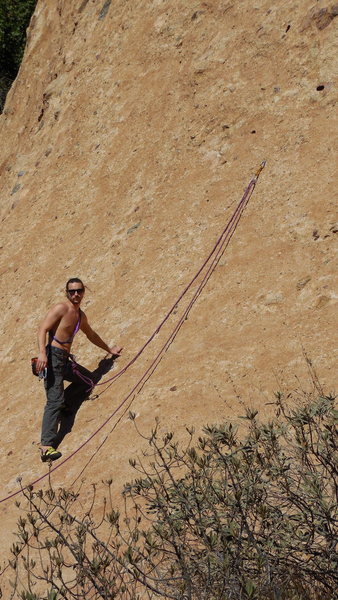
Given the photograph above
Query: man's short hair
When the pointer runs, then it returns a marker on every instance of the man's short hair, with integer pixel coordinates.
(74, 280)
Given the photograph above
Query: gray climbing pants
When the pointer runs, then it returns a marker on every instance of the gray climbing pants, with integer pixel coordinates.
(59, 400)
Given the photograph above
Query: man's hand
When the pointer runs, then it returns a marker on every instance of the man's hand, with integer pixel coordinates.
(41, 363)
(115, 351)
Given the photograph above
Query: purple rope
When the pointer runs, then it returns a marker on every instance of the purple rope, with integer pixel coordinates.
(84, 378)
(219, 242)
(238, 210)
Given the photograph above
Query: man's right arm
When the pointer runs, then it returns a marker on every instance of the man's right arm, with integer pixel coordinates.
(53, 316)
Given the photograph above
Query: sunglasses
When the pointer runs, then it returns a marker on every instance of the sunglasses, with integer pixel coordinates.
(77, 291)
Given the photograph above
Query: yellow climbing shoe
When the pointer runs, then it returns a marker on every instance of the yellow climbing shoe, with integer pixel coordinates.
(50, 454)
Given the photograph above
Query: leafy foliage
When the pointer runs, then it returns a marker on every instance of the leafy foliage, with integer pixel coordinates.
(224, 517)
(14, 19)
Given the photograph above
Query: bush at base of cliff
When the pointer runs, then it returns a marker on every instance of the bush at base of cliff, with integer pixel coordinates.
(224, 517)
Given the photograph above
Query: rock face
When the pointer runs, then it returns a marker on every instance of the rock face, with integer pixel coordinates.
(127, 140)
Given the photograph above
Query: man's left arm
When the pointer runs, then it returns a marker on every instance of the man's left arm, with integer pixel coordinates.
(95, 339)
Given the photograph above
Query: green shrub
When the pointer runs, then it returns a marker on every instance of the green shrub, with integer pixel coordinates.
(224, 517)
(14, 20)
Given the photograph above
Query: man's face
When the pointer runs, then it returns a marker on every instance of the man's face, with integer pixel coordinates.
(75, 292)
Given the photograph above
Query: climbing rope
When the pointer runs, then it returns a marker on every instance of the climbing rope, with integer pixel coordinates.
(213, 258)
(219, 247)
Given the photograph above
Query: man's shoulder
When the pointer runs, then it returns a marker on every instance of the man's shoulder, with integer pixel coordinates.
(82, 315)
(60, 308)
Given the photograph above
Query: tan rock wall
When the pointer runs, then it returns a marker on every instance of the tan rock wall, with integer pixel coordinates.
(126, 141)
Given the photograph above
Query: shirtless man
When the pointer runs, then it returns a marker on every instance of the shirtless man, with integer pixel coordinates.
(62, 323)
